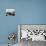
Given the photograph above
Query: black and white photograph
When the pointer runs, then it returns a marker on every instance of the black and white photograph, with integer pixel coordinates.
(32, 35)
(10, 12)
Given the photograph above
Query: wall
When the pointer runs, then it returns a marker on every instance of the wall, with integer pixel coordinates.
(27, 12)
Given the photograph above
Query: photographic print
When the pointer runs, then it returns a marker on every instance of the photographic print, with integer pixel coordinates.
(32, 34)
(10, 12)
